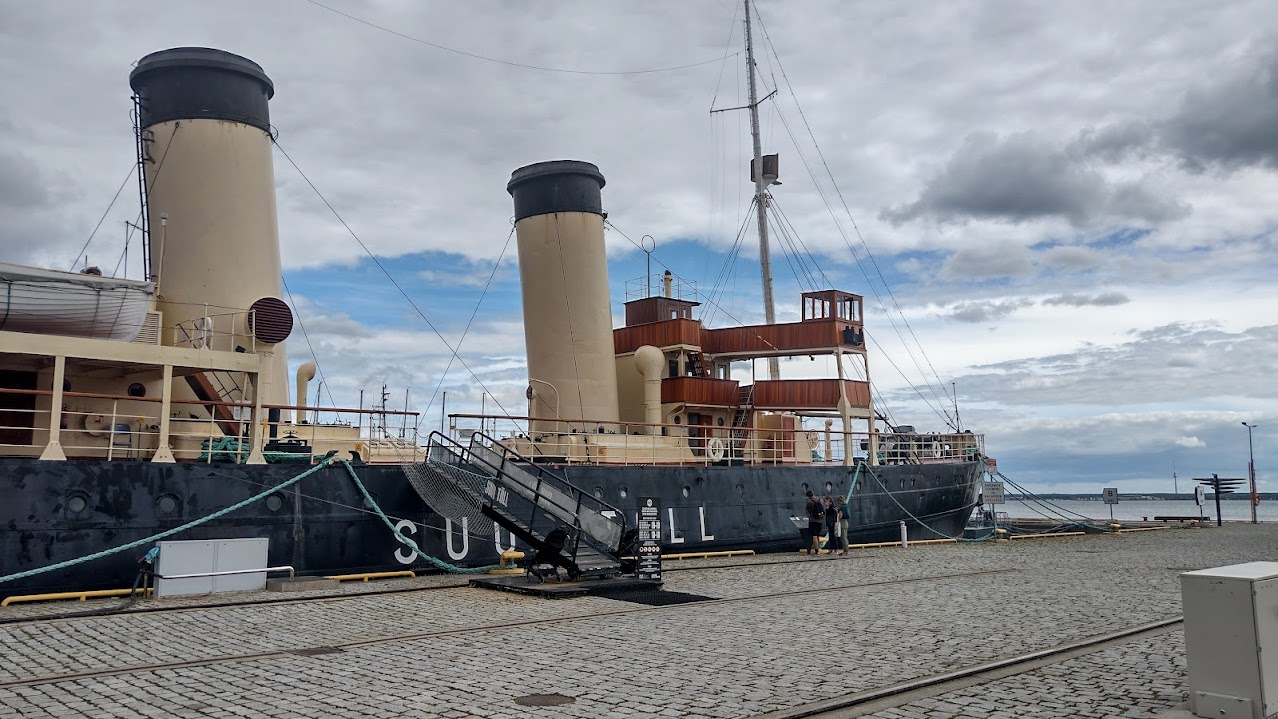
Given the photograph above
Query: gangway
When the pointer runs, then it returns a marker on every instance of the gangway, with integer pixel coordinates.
(527, 499)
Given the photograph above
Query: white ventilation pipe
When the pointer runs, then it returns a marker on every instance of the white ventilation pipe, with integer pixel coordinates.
(650, 362)
(305, 374)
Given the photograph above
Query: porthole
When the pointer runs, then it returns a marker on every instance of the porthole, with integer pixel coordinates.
(370, 500)
(741, 489)
(829, 487)
(599, 493)
(700, 481)
(274, 502)
(805, 487)
(687, 491)
(719, 421)
(166, 504)
(77, 503)
(137, 389)
(623, 492)
(66, 385)
(678, 420)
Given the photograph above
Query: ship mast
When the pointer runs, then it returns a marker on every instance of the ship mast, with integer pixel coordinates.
(760, 195)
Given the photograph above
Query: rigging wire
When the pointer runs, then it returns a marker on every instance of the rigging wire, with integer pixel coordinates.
(800, 257)
(729, 315)
(720, 280)
(511, 63)
(301, 401)
(856, 228)
(788, 249)
(474, 313)
(132, 169)
(393, 282)
(941, 412)
(732, 28)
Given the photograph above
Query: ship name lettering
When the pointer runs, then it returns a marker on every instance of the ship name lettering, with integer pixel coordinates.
(497, 540)
(465, 538)
(705, 537)
(673, 538)
(404, 555)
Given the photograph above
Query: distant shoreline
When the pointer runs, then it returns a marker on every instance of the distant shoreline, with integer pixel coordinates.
(1145, 496)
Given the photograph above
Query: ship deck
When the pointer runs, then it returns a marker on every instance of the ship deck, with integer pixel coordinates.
(1062, 626)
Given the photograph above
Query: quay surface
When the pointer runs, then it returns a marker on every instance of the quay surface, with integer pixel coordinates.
(783, 637)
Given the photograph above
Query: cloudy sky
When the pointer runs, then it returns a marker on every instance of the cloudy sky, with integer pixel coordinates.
(1070, 205)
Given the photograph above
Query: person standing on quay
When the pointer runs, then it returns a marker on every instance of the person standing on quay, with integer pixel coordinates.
(831, 525)
(816, 514)
(842, 507)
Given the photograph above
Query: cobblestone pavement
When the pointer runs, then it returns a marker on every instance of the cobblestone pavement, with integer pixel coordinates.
(1135, 680)
(454, 652)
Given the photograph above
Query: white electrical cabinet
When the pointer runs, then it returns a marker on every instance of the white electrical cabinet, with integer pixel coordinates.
(1231, 640)
(212, 555)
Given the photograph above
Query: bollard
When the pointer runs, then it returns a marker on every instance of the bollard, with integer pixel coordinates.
(905, 536)
(509, 563)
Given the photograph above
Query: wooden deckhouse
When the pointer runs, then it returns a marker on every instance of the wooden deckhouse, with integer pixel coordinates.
(697, 389)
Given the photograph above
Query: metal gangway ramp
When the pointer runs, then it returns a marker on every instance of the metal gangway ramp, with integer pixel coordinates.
(488, 482)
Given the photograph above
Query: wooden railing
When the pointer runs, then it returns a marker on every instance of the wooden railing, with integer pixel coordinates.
(809, 393)
(780, 339)
(700, 391)
(658, 334)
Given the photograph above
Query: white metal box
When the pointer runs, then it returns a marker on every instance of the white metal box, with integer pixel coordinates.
(213, 555)
(1231, 640)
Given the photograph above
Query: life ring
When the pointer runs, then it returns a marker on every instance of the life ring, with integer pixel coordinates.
(715, 448)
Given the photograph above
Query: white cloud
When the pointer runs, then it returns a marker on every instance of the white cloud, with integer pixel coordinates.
(1087, 136)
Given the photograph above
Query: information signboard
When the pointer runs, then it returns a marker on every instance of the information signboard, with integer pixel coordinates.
(1110, 495)
(648, 565)
(992, 493)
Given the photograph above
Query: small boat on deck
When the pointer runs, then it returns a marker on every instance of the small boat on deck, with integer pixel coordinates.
(78, 304)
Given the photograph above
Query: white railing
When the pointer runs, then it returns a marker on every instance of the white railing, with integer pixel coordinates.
(111, 427)
(596, 442)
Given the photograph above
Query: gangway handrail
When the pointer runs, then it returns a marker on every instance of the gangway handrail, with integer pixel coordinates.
(542, 488)
(598, 506)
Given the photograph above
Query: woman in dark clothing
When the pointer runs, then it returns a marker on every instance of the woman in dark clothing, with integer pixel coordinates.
(831, 525)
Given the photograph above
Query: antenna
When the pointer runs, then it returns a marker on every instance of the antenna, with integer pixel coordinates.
(958, 426)
(403, 423)
(1175, 483)
(382, 407)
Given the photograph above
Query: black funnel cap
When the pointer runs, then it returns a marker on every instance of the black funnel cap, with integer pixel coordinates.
(556, 186)
(190, 83)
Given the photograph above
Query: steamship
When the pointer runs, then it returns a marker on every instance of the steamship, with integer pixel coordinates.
(132, 407)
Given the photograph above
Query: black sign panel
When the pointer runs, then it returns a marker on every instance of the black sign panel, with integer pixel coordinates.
(648, 565)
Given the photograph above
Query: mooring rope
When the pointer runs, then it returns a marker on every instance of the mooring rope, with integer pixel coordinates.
(438, 563)
(168, 532)
(916, 519)
(434, 561)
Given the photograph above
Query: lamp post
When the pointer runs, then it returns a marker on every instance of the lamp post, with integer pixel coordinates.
(1251, 470)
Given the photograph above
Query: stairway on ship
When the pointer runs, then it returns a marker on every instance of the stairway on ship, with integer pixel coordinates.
(531, 501)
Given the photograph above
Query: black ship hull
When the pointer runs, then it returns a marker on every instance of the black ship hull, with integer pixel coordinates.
(58, 511)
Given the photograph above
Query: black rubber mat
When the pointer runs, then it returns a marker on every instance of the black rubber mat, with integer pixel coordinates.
(651, 597)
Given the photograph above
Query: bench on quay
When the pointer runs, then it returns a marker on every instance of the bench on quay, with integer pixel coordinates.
(1174, 518)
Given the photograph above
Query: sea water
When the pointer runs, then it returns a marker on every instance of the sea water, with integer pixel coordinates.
(1134, 510)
